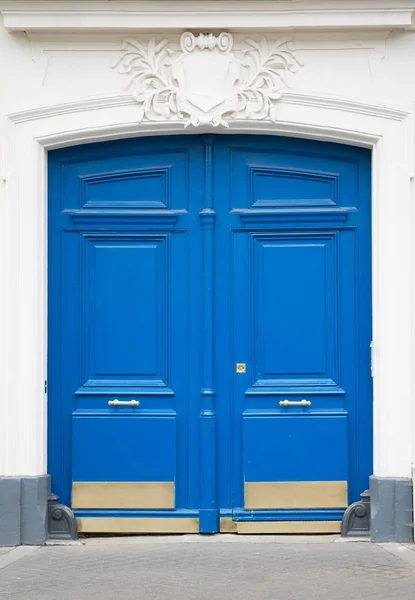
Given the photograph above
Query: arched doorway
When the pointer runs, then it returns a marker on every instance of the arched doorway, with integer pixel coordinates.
(209, 333)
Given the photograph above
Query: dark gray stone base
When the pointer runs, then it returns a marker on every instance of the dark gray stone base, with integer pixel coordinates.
(23, 510)
(392, 515)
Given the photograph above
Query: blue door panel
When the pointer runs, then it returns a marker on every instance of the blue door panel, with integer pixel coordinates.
(291, 243)
(125, 448)
(294, 218)
(293, 174)
(305, 447)
(147, 178)
(121, 309)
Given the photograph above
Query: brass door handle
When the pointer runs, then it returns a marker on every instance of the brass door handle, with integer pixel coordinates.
(122, 403)
(295, 403)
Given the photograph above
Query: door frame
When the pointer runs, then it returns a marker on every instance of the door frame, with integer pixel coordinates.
(32, 133)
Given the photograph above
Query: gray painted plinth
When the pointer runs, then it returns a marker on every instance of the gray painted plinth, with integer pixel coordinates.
(391, 509)
(23, 510)
(34, 513)
(10, 520)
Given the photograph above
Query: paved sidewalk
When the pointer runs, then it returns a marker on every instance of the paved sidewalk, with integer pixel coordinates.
(209, 568)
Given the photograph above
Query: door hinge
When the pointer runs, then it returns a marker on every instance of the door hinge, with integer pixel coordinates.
(371, 359)
(46, 386)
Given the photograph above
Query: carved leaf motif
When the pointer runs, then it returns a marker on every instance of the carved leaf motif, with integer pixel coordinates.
(263, 81)
(148, 67)
(253, 95)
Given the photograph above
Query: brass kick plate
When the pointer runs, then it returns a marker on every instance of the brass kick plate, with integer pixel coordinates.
(240, 367)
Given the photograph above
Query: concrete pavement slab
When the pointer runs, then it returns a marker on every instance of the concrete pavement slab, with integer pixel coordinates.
(248, 569)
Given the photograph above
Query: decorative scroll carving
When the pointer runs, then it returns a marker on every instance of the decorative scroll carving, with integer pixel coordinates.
(207, 82)
(62, 524)
(356, 519)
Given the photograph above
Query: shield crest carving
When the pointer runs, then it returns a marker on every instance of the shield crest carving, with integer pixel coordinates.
(206, 73)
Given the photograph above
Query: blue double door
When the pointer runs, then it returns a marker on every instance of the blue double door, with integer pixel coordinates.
(209, 333)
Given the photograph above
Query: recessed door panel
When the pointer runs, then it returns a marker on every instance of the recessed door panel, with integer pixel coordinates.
(139, 188)
(310, 465)
(126, 306)
(276, 177)
(276, 187)
(131, 463)
(144, 178)
(294, 310)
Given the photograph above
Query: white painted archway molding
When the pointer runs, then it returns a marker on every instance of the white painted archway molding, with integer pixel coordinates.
(23, 358)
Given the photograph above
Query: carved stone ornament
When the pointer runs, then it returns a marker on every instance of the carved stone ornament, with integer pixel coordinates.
(62, 524)
(356, 519)
(207, 83)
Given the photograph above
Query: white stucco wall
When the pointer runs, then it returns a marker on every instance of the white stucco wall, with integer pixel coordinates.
(58, 87)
